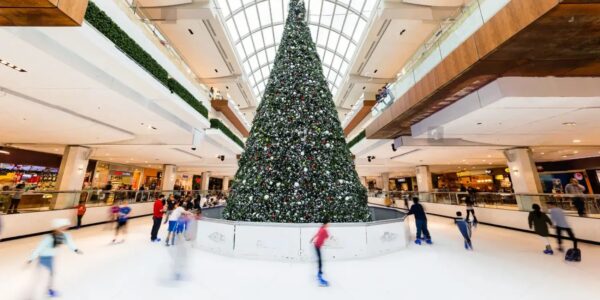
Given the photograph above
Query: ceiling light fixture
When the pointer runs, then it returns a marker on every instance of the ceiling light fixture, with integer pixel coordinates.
(12, 66)
(576, 141)
(4, 151)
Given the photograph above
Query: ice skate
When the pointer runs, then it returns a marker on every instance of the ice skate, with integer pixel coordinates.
(418, 241)
(52, 293)
(428, 241)
(322, 282)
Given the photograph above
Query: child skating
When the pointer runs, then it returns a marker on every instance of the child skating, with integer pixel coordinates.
(420, 221)
(539, 221)
(465, 229)
(46, 251)
(122, 218)
(319, 240)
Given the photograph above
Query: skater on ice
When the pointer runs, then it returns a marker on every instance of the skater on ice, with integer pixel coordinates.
(539, 221)
(157, 215)
(464, 227)
(46, 251)
(470, 209)
(319, 240)
(420, 221)
(122, 218)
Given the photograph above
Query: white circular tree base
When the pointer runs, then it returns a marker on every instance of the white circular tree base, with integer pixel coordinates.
(292, 242)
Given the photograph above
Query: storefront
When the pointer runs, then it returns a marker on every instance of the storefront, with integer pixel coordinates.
(119, 176)
(490, 180)
(37, 170)
(402, 184)
(554, 176)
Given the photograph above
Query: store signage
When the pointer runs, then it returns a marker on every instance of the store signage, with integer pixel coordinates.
(121, 173)
(578, 176)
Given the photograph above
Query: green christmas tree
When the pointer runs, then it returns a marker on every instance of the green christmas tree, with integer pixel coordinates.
(296, 166)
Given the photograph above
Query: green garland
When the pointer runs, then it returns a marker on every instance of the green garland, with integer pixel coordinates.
(217, 124)
(357, 139)
(103, 23)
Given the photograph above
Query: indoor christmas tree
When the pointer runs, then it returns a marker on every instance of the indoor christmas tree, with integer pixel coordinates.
(296, 166)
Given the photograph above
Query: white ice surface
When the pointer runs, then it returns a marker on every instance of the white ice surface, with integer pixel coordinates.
(505, 265)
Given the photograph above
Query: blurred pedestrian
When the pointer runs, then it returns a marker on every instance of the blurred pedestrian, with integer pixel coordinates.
(46, 250)
(420, 221)
(15, 199)
(557, 215)
(574, 188)
(470, 209)
(175, 226)
(80, 212)
(170, 207)
(122, 218)
(157, 216)
(464, 226)
(539, 221)
(319, 240)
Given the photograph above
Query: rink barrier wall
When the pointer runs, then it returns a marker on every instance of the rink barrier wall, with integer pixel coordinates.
(585, 229)
(28, 224)
(292, 242)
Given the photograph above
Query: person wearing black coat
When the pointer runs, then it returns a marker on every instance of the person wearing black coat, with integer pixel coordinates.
(421, 221)
(539, 221)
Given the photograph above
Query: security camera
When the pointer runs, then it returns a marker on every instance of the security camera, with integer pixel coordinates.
(221, 157)
(393, 147)
(194, 148)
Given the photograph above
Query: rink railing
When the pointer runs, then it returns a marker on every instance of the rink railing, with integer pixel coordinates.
(36, 201)
(509, 201)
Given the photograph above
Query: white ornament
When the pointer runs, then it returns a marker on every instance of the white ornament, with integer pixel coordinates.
(296, 184)
(266, 197)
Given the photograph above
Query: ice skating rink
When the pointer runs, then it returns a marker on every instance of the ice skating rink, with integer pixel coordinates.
(505, 265)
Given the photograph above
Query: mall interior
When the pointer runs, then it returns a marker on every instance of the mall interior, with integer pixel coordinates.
(484, 105)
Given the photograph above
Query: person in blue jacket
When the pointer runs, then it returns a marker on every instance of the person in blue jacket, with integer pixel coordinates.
(464, 226)
(420, 220)
(46, 250)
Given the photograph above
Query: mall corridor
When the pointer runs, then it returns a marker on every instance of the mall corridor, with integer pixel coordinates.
(506, 264)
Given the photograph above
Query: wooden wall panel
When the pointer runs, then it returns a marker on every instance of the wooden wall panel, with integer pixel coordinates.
(42, 12)
(515, 16)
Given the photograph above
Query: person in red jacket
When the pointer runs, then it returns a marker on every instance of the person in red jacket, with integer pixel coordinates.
(80, 212)
(157, 218)
(319, 240)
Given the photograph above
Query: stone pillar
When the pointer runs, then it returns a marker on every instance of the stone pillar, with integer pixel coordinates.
(424, 182)
(70, 176)
(363, 180)
(168, 179)
(524, 176)
(385, 181)
(225, 183)
(205, 179)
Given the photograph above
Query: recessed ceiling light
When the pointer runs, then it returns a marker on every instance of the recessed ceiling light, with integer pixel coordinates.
(575, 152)
(569, 123)
(564, 156)
(12, 66)
(576, 141)
(542, 153)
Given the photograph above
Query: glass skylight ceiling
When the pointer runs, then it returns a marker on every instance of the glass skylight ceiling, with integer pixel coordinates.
(256, 27)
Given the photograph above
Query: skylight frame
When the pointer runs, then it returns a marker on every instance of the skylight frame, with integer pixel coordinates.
(256, 44)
